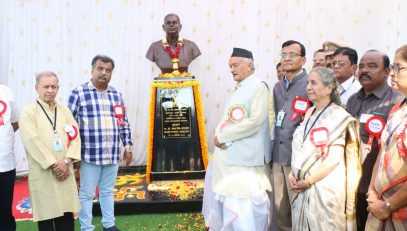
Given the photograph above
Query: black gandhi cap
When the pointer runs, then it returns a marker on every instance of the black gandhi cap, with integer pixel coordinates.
(240, 52)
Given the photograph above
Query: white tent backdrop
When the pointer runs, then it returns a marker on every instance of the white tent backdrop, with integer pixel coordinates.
(64, 35)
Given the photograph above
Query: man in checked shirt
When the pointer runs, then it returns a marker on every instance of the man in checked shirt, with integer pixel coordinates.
(99, 111)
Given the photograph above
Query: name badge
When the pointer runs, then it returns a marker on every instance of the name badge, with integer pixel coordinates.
(3, 108)
(119, 114)
(71, 131)
(280, 118)
(68, 128)
(374, 127)
(364, 118)
(57, 142)
(320, 137)
(299, 106)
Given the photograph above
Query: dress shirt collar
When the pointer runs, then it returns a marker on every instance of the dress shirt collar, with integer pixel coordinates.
(378, 92)
(297, 77)
(348, 82)
(92, 87)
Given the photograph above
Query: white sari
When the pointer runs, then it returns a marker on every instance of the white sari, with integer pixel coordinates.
(329, 203)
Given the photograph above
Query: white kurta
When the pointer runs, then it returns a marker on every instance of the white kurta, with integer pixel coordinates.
(240, 191)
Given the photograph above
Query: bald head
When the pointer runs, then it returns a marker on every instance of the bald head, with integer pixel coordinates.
(385, 57)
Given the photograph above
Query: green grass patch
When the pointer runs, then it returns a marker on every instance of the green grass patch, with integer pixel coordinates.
(148, 222)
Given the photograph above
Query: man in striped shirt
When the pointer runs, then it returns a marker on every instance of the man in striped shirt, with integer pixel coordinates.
(99, 111)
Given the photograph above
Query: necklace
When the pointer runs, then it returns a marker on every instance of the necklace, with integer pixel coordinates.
(174, 56)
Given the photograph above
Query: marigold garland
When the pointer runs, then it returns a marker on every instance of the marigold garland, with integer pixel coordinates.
(175, 74)
(200, 120)
(175, 84)
(150, 141)
(174, 56)
(201, 124)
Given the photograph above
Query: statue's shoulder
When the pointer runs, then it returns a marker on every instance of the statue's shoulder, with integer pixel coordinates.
(189, 41)
(156, 44)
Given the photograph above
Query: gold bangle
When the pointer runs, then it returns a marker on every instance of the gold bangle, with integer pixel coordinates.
(308, 183)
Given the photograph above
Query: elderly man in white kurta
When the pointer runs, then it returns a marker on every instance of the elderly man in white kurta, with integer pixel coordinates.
(51, 141)
(243, 150)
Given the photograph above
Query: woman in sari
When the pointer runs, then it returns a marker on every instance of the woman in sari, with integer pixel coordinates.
(387, 195)
(325, 160)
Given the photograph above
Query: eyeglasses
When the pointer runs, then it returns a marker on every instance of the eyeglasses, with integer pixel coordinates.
(318, 60)
(291, 55)
(396, 68)
(339, 63)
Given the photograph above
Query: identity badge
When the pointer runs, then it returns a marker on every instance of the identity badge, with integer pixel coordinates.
(57, 142)
(280, 118)
(364, 117)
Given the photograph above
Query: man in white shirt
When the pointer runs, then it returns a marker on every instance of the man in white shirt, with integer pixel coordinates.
(243, 150)
(345, 66)
(9, 116)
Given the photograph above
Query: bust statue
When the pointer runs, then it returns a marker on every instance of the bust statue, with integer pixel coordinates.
(172, 53)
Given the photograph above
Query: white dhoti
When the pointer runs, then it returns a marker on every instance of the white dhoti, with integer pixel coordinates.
(243, 205)
(241, 214)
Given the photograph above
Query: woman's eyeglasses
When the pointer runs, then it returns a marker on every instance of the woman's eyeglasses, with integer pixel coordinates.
(396, 68)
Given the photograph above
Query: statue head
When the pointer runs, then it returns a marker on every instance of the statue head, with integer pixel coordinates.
(172, 25)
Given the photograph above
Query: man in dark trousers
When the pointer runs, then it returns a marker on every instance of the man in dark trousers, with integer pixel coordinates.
(375, 99)
(284, 93)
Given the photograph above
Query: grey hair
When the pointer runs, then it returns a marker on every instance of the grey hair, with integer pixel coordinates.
(328, 77)
(172, 14)
(250, 61)
(41, 74)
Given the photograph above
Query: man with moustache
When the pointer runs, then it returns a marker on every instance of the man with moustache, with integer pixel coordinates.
(172, 52)
(344, 65)
(99, 110)
(285, 92)
(374, 100)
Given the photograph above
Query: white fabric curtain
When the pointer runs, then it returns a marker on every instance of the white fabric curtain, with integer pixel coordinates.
(64, 35)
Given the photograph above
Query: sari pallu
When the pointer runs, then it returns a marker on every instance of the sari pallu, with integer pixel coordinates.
(329, 204)
(392, 171)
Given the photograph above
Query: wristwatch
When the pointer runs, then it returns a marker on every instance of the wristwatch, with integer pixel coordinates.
(388, 205)
(66, 162)
(128, 148)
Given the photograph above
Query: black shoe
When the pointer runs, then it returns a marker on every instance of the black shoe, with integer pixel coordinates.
(113, 228)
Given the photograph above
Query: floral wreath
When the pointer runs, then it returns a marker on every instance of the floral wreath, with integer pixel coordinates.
(174, 56)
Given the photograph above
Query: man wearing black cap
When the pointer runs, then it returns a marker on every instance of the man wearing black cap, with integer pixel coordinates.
(242, 139)
(293, 86)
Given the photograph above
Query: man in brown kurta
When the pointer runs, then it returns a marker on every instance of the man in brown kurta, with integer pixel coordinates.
(51, 141)
(187, 53)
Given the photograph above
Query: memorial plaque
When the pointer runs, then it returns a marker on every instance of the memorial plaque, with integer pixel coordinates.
(176, 144)
(176, 122)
